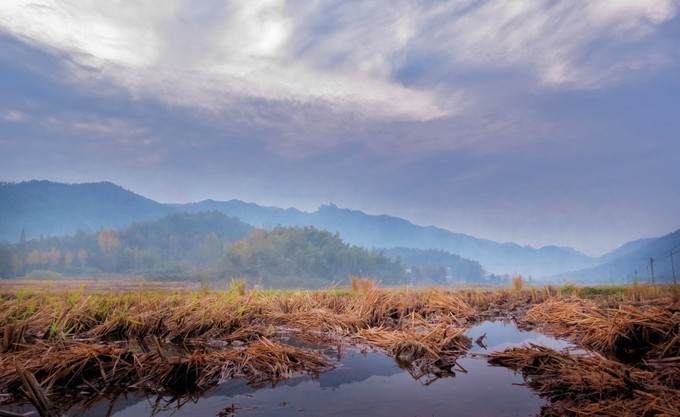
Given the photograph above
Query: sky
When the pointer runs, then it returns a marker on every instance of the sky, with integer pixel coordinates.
(541, 122)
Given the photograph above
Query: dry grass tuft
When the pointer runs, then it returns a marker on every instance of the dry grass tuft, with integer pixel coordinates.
(628, 333)
(362, 285)
(591, 385)
(517, 282)
(96, 367)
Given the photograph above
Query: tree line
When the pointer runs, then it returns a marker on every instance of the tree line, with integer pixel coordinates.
(204, 246)
(211, 246)
(294, 256)
(172, 248)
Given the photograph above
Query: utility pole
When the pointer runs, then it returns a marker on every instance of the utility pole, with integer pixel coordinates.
(651, 266)
(673, 268)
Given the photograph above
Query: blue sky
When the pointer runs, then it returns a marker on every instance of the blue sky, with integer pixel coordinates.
(540, 122)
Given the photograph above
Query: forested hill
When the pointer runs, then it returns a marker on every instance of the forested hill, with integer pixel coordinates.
(51, 209)
(251, 213)
(208, 247)
(438, 267)
(173, 247)
(305, 256)
(29, 210)
(382, 231)
(42, 208)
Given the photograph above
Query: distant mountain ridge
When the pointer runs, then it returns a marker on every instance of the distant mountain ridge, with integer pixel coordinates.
(626, 249)
(251, 213)
(50, 209)
(44, 208)
(632, 262)
(383, 231)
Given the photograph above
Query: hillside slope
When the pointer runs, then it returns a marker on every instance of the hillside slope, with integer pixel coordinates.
(634, 258)
(383, 231)
(43, 208)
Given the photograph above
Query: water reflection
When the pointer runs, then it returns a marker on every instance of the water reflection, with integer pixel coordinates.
(502, 334)
(365, 384)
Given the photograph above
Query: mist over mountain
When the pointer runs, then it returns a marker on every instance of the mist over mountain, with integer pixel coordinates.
(177, 246)
(626, 249)
(251, 213)
(438, 267)
(44, 208)
(383, 231)
(632, 262)
(208, 247)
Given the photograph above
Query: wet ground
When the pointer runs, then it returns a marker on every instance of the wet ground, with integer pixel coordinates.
(364, 383)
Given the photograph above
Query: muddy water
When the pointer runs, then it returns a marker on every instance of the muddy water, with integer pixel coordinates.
(364, 384)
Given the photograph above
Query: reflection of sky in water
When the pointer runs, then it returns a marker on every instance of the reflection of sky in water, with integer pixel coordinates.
(369, 384)
(502, 335)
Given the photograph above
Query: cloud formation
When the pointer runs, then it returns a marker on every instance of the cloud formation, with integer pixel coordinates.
(512, 120)
(343, 56)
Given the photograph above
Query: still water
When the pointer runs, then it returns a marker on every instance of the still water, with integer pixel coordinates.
(368, 383)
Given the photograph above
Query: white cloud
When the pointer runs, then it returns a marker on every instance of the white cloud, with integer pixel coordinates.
(245, 54)
(550, 38)
(342, 57)
(14, 116)
(109, 129)
(97, 33)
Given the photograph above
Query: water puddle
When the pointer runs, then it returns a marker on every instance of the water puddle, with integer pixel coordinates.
(500, 335)
(368, 383)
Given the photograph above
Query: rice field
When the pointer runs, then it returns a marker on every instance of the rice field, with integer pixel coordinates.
(62, 344)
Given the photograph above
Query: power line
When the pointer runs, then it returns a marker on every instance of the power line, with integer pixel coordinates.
(668, 253)
(665, 255)
(623, 261)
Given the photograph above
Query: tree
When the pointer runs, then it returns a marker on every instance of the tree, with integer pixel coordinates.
(17, 264)
(6, 267)
(33, 258)
(68, 258)
(44, 257)
(294, 256)
(109, 246)
(82, 257)
(54, 256)
(211, 249)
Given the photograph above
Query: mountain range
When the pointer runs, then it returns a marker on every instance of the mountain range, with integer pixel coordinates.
(42, 208)
(635, 261)
(383, 231)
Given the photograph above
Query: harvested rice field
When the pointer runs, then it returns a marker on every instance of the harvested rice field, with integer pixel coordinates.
(133, 350)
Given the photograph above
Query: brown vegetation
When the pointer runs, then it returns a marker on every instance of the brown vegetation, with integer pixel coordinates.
(87, 342)
(626, 332)
(92, 341)
(594, 385)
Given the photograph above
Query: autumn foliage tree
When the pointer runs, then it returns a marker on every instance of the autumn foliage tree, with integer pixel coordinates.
(82, 257)
(109, 247)
(174, 247)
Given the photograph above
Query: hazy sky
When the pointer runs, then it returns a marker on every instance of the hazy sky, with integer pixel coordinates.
(538, 121)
